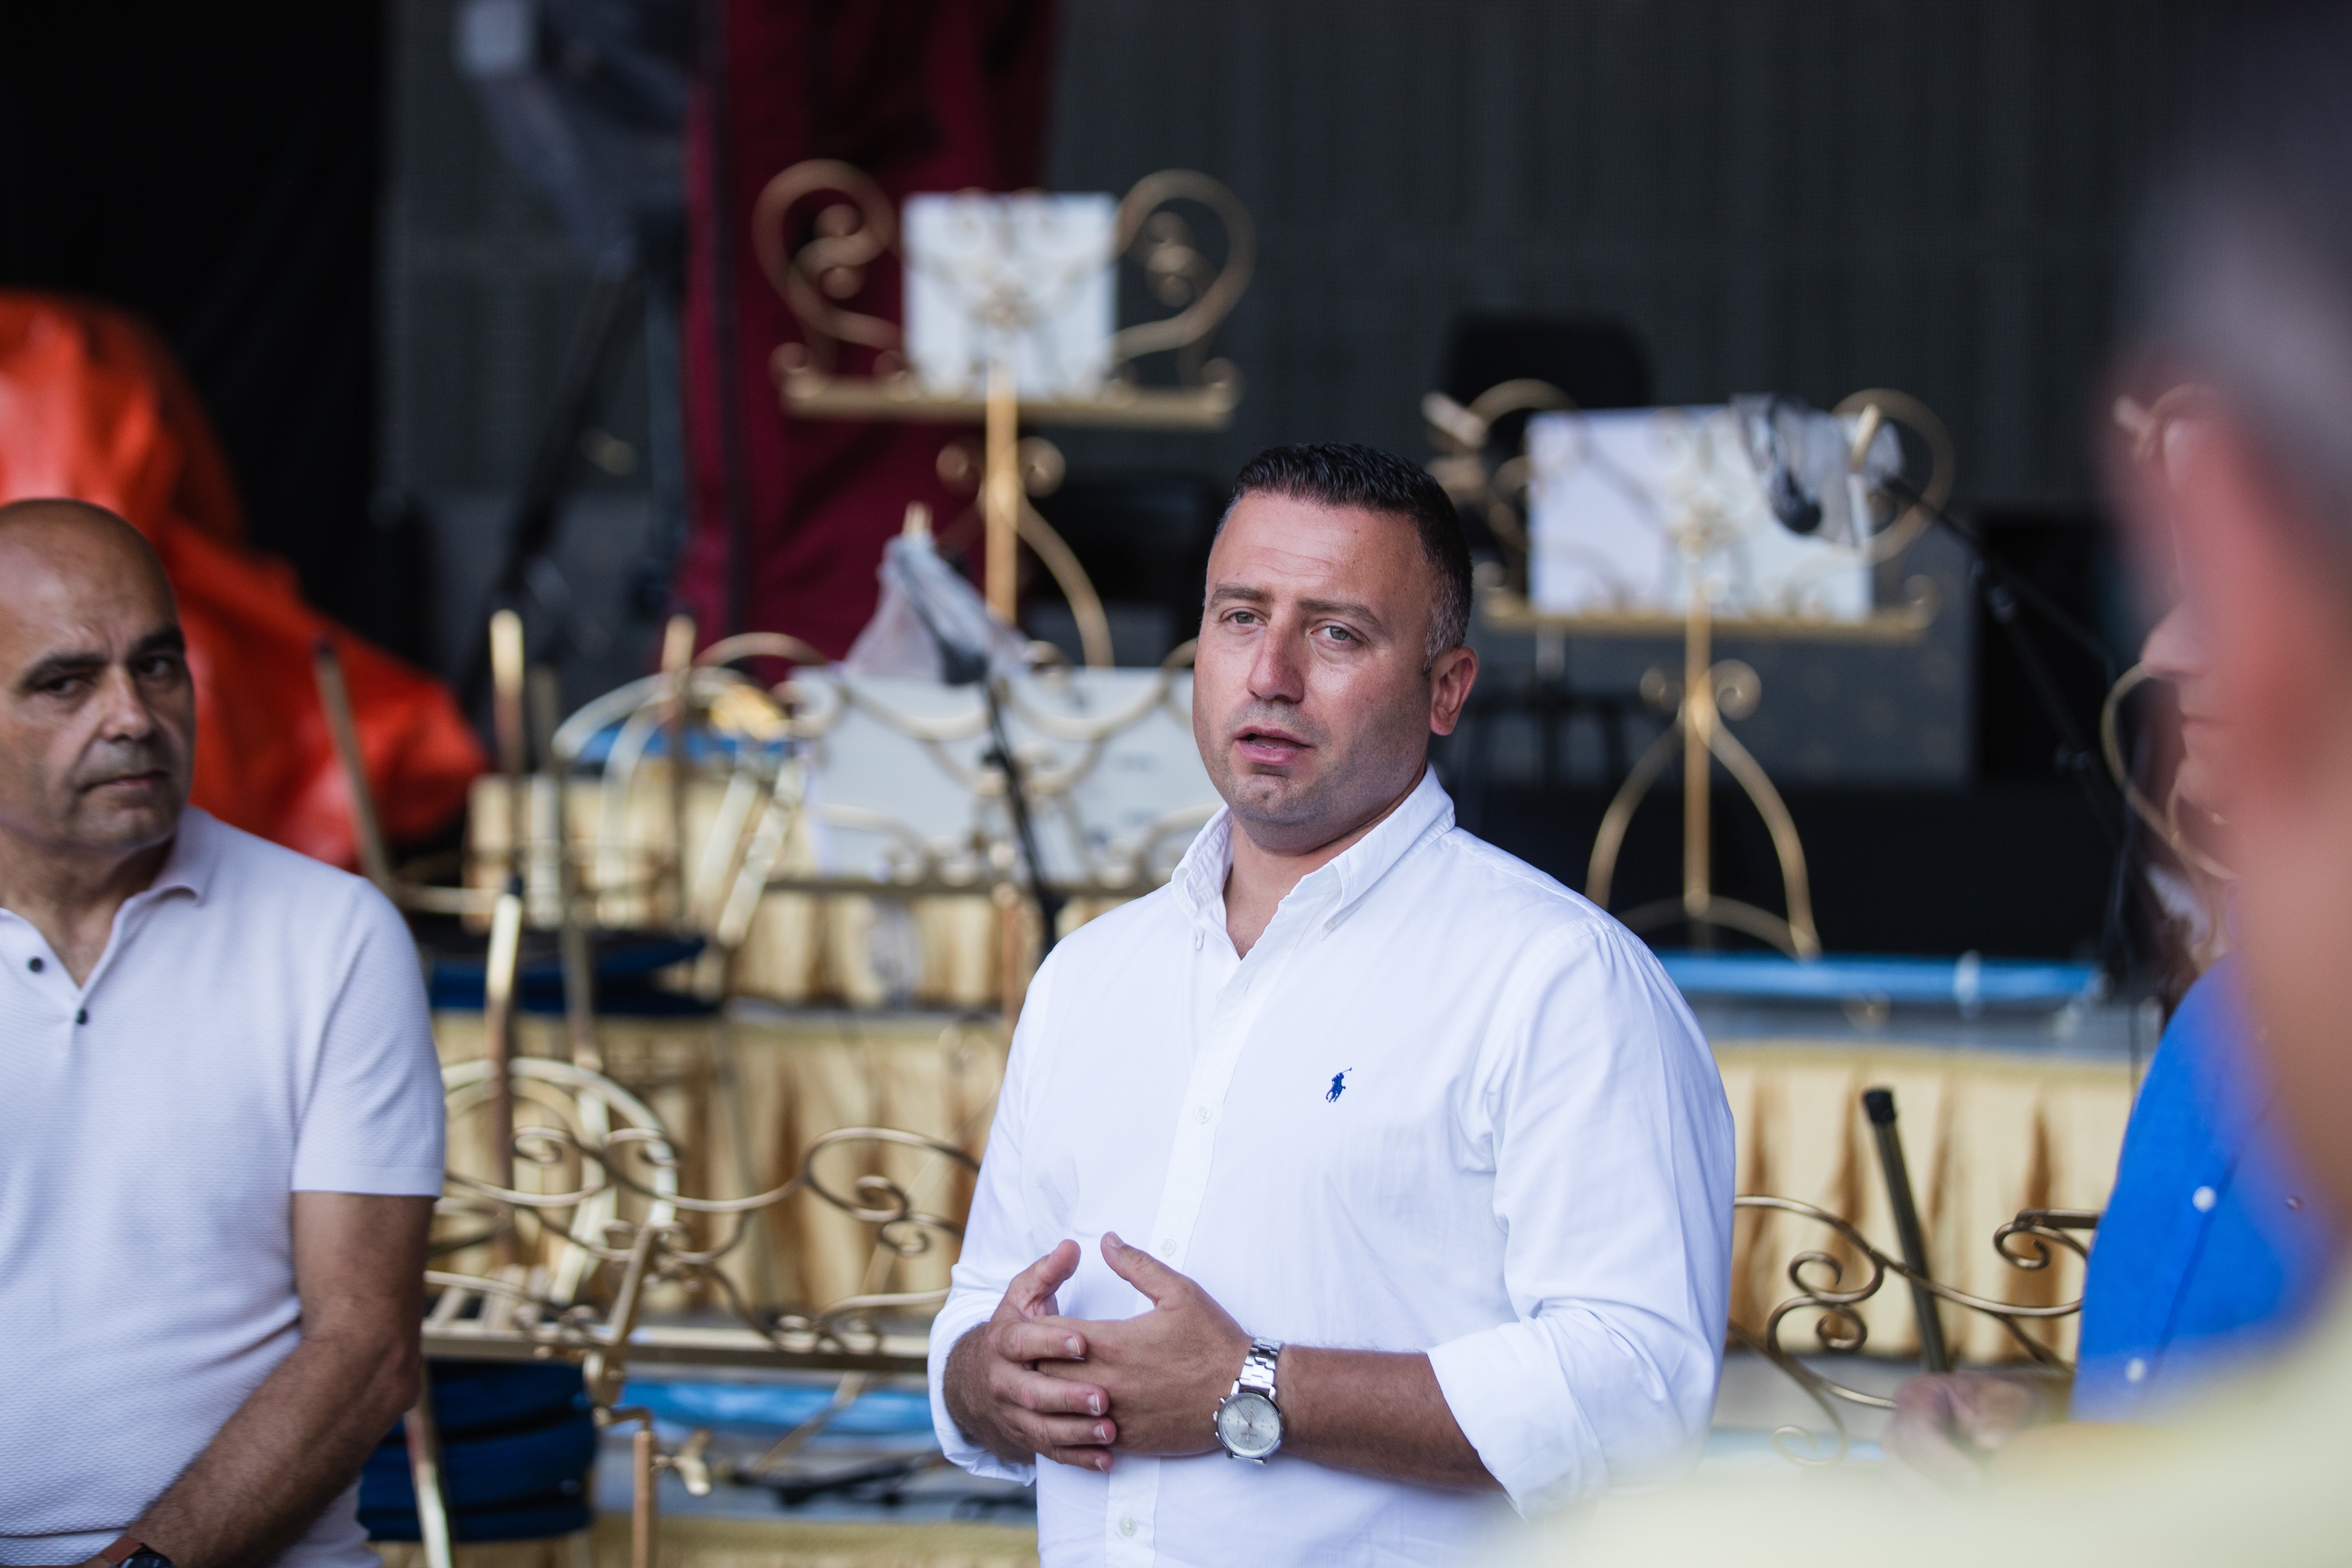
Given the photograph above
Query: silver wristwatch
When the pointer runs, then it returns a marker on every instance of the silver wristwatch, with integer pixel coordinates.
(1249, 1422)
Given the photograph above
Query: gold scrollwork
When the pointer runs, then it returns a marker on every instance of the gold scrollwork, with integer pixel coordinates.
(1819, 1279)
(639, 1157)
(1176, 271)
(1496, 490)
(2166, 821)
(860, 227)
(1879, 404)
(851, 235)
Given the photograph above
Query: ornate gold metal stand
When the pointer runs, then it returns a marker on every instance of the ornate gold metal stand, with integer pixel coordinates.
(1710, 692)
(1819, 1279)
(857, 227)
(1727, 688)
(605, 1145)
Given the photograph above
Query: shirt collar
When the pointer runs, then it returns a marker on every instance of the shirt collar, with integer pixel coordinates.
(188, 869)
(1200, 877)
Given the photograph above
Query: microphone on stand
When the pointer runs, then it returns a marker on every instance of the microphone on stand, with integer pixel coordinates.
(1798, 509)
(1818, 476)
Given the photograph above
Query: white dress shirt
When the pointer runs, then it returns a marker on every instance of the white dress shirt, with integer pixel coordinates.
(1444, 1105)
(256, 1027)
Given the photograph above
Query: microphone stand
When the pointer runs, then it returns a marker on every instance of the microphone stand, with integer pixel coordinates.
(1048, 898)
(2006, 595)
(961, 666)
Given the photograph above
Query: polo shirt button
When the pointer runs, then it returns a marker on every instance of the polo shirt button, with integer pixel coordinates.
(2204, 1199)
(35, 964)
(1201, 1114)
(82, 1017)
(2135, 1370)
(1167, 1246)
(1127, 1527)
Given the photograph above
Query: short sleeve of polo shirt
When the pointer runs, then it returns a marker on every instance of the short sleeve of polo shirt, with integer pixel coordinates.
(371, 1122)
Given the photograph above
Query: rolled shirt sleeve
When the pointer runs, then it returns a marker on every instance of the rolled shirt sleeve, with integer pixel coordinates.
(1613, 1168)
(997, 1239)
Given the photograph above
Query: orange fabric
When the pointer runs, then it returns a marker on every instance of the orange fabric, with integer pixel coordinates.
(92, 407)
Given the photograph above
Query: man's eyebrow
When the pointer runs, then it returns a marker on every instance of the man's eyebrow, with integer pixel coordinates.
(88, 661)
(58, 666)
(1347, 607)
(1241, 592)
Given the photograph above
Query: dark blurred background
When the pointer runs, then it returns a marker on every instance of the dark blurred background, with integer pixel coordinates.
(1809, 196)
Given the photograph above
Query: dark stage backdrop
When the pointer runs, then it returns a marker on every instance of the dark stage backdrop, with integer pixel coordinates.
(1809, 196)
(215, 167)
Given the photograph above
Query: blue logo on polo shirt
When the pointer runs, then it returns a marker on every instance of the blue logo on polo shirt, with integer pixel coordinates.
(1338, 1086)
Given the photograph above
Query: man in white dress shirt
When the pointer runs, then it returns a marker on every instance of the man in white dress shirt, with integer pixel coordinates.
(1361, 1152)
(220, 1113)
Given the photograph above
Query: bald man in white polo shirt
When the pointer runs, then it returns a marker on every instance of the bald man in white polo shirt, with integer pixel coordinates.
(220, 1114)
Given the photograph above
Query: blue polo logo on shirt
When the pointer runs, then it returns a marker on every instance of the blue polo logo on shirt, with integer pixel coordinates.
(1338, 1086)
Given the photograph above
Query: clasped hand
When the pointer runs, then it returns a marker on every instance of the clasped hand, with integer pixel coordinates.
(1031, 1382)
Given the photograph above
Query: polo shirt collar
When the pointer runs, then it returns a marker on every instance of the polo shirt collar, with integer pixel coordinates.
(188, 869)
(1199, 877)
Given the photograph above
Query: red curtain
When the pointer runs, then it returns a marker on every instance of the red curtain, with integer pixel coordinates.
(92, 407)
(923, 97)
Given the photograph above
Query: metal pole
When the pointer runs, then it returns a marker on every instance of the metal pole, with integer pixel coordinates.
(643, 1539)
(498, 976)
(424, 1435)
(1880, 1105)
(1000, 494)
(507, 726)
(677, 671)
(1698, 760)
(335, 697)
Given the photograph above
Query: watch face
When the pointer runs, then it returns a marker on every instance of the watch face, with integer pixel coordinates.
(1249, 1424)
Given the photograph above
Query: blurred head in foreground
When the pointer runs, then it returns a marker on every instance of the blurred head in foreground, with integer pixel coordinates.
(2246, 293)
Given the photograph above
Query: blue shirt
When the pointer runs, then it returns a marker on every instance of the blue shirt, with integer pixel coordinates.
(2212, 1245)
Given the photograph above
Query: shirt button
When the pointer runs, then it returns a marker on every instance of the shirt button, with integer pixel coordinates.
(2135, 1370)
(82, 1017)
(2204, 1199)
(35, 964)
(1127, 1527)
(1201, 1114)
(1167, 1246)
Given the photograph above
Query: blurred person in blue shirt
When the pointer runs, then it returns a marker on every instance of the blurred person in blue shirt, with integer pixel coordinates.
(2212, 1249)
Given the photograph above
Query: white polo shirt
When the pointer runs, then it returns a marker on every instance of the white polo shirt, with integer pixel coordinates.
(1444, 1105)
(257, 1027)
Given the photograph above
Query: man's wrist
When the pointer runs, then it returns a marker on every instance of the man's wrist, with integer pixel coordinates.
(128, 1550)
(963, 1385)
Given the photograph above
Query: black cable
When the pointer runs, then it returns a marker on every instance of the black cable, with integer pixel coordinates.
(1049, 898)
(531, 536)
(961, 666)
(2005, 592)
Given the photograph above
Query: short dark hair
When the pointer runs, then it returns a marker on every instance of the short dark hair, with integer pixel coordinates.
(1345, 474)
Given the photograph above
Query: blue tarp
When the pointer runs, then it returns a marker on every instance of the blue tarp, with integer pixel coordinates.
(878, 1413)
(1968, 981)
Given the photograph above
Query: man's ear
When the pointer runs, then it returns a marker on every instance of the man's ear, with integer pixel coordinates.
(1451, 676)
